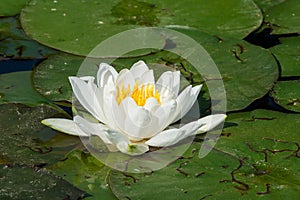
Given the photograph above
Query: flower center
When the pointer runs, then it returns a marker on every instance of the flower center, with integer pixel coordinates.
(140, 94)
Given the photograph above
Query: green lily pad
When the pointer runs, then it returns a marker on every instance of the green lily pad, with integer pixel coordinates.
(12, 7)
(257, 157)
(284, 17)
(287, 94)
(288, 55)
(266, 4)
(19, 182)
(23, 137)
(86, 173)
(16, 87)
(76, 33)
(187, 178)
(267, 145)
(241, 65)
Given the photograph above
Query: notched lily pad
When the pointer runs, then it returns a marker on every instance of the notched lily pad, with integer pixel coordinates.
(267, 145)
(287, 94)
(12, 7)
(19, 182)
(240, 65)
(23, 136)
(72, 32)
(187, 178)
(284, 17)
(16, 87)
(86, 173)
(266, 4)
(288, 55)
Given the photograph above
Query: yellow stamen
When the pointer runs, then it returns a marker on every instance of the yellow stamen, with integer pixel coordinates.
(139, 94)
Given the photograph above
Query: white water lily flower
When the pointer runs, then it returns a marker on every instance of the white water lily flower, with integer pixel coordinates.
(133, 110)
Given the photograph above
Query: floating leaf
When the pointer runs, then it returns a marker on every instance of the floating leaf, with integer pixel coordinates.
(12, 7)
(287, 94)
(267, 145)
(16, 87)
(288, 55)
(19, 182)
(71, 31)
(257, 156)
(187, 178)
(248, 71)
(266, 4)
(284, 17)
(23, 136)
(86, 173)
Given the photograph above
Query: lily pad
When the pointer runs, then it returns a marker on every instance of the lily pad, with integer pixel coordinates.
(76, 33)
(288, 55)
(23, 136)
(257, 157)
(187, 178)
(12, 7)
(266, 4)
(284, 17)
(16, 87)
(267, 145)
(287, 94)
(19, 182)
(86, 173)
(240, 64)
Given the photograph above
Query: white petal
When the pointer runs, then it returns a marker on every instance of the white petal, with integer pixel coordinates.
(64, 125)
(138, 122)
(165, 113)
(104, 72)
(108, 100)
(166, 138)
(138, 69)
(168, 83)
(172, 136)
(116, 137)
(110, 137)
(85, 94)
(186, 100)
(133, 149)
(92, 128)
(126, 79)
(147, 78)
(151, 104)
(210, 122)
